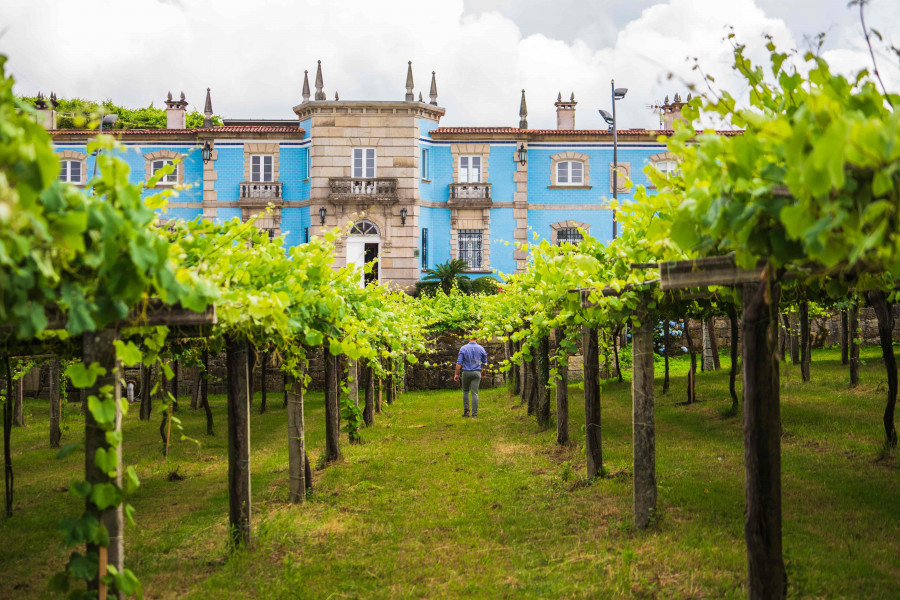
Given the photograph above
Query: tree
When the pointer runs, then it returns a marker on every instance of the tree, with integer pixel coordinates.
(449, 272)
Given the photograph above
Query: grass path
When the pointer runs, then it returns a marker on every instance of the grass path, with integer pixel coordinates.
(433, 505)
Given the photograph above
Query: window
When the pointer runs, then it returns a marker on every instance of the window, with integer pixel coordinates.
(469, 242)
(570, 172)
(71, 171)
(423, 164)
(469, 169)
(306, 235)
(262, 167)
(569, 235)
(364, 228)
(171, 178)
(667, 166)
(425, 248)
(364, 162)
(307, 163)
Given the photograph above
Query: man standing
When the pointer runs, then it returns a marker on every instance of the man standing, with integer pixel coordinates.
(472, 360)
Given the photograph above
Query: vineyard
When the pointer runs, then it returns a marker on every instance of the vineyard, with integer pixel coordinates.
(376, 491)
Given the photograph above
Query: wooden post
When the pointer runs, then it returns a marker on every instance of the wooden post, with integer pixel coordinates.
(562, 390)
(195, 390)
(643, 428)
(706, 363)
(543, 382)
(804, 340)
(378, 404)
(263, 381)
(878, 301)
(782, 336)
(533, 381)
(692, 372)
(296, 440)
(98, 348)
(615, 345)
(251, 372)
(146, 399)
(666, 351)
(853, 326)
(353, 380)
(732, 376)
(175, 386)
(204, 395)
(762, 442)
(8, 478)
(794, 332)
(845, 338)
(18, 401)
(526, 375)
(389, 389)
(714, 343)
(55, 408)
(369, 406)
(332, 405)
(237, 363)
(593, 447)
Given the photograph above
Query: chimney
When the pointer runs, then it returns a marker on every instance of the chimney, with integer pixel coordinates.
(669, 113)
(565, 112)
(176, 112)
(46, 115)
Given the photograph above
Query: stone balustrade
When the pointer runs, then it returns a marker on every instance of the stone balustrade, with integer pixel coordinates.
(352, 190)
(258, 190)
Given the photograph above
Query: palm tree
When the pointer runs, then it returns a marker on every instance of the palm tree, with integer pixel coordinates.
(449, 272)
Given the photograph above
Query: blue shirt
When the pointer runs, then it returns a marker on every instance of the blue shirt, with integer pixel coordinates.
(472, 357)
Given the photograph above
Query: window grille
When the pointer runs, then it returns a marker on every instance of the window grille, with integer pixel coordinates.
(424, 248)
(569, 235)
(306, 235)
(470, 247)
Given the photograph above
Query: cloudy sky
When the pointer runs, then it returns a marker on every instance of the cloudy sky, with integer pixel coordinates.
(253, 54)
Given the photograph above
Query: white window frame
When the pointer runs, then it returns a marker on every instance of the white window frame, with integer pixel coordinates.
(258, 162)
(363, 163)
(666, 166)
(159, 163)
(565, 173)
(469, 163)
(65, 173)
(423, 167)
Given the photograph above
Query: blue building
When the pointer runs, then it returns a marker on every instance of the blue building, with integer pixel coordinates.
(417, 193)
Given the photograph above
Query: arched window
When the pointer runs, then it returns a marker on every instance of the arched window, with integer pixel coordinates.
(570, 172)
(364, 228)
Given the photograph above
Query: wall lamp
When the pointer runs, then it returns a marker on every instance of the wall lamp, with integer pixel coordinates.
(322, 213)
(206, 153)
(403, 214)
(522, 154)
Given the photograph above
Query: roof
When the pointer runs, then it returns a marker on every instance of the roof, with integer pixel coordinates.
(294, 123)
(227, 129)
(562, 132)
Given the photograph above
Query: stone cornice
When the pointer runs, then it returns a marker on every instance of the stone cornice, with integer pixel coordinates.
(341, 107)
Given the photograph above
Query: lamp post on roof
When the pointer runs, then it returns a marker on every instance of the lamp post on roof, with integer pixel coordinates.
(617, 94)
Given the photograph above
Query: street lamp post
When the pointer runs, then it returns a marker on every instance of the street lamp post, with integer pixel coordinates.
(617, 94)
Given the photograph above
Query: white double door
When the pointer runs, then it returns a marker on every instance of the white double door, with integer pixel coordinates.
(361, 250)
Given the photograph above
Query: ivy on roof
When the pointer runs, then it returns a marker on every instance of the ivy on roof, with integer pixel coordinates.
(77, 113)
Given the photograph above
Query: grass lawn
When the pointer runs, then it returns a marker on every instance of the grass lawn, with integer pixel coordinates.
(433, 505)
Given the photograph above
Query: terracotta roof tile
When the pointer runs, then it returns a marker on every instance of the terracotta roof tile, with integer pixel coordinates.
(224, 129)
(580, 132)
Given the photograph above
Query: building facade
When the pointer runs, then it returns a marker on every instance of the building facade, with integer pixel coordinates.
(417, 193)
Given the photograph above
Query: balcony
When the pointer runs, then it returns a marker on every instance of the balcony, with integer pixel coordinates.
(470, 195)
(363, 190)
(258, 193)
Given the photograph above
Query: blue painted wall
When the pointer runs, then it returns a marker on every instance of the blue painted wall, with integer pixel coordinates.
(501, 167)
(503, 227)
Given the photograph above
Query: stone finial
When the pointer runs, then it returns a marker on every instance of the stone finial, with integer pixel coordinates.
(40, 102)
(420, 97)
(176, 104)
(677, 97)
(169, 97)
(559, 97)
(208, 110)
(409, 84)
(572, 99)
(336, 97)
(523, 113)
(53, 101)
(433, 92)
(320, 95)
(689, 97)
(666, 101)
(305, 87)
(182, 97)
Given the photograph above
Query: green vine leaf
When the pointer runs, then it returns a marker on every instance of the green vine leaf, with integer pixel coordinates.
(84, 377)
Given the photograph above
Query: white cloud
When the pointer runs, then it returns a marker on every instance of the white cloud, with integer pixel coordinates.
(253, 55)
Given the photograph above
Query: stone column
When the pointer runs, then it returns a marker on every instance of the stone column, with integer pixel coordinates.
(520, 210)
(209, 188)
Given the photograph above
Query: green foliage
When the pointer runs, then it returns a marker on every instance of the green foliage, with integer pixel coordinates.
(484, 285)
(448, 274)
(77, 113)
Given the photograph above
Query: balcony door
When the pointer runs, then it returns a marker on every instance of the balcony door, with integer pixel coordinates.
(364, 247)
